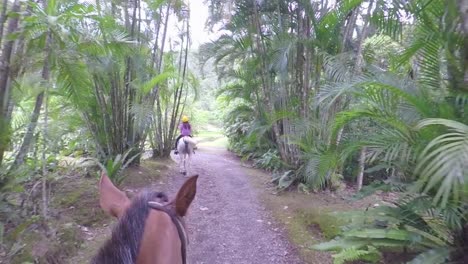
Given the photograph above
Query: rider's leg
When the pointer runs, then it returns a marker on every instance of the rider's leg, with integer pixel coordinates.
(195, 147)
(176, 143)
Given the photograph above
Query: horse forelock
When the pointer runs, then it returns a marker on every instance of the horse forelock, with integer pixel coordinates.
(124, 244)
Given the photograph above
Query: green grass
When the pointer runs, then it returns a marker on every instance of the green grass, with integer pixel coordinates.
(209, 134)
(308, 219)
(211, 138)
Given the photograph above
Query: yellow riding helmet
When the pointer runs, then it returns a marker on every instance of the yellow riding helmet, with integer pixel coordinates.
(185, 119)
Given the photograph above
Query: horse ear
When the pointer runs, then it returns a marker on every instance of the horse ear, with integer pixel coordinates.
(185, 195)
(112, 200)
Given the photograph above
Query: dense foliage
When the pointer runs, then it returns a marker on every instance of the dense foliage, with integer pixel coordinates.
(373, 91)
(86, 85)
(319, 92)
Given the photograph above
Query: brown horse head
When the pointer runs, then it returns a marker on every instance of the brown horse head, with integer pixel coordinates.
(150, 227)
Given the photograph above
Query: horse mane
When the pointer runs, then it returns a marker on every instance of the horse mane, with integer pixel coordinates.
(124, 244)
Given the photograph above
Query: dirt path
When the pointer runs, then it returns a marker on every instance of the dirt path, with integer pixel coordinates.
(226, 222)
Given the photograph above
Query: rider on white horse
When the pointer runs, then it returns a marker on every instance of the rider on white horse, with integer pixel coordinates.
(185, 130)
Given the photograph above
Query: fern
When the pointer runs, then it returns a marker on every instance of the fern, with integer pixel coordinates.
(354, 254)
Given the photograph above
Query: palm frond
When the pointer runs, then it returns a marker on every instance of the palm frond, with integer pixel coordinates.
(319, 165)
(442, 165)
(162, 77)
(434, 256)
(282, 52)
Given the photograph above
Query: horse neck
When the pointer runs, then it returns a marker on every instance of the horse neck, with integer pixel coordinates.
(127, 237)
(124, 243)
(160, 242)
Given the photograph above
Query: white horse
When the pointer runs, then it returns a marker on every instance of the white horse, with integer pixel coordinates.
(185, 146)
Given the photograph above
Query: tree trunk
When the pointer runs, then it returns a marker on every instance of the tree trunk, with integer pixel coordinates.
(362, 163)
(3, 18)
(44, 159)
(300, 59)
(349, 29)
(5, 86)
(307, 70)
(175, 117)
(125, 10)
(157, 26)
(27, 140)
(130, 94)
(261, 49)
(155, 93)
(359, 58)
(463, 9)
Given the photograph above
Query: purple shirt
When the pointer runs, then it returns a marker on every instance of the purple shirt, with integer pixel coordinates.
(185, 129)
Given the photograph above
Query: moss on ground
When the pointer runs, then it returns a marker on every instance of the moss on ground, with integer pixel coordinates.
(74, 203)
(308, 219)
(37, 247)
(329, 225)
(71, 198)
(149, 171)
(77, 199)
(26, 243)
(14, 234)
(307, 227)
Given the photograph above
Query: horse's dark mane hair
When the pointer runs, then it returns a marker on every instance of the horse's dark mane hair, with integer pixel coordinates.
(124, 244)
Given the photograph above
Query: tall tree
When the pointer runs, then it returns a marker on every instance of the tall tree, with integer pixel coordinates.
(5, 81)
